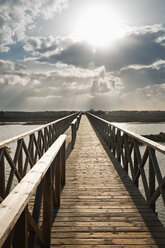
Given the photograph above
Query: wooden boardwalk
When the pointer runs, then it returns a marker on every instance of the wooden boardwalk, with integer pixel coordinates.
(100, 206)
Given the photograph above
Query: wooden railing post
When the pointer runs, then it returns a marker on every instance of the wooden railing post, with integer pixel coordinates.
(2, 174)
(151, 182)
(21, 231)
(32, 148)
(20, 159)
(73, 128)
(47, 208)
(135, 168)
(58, 179)
(63, 164)
(78, 120)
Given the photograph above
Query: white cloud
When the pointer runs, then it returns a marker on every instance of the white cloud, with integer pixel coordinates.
(151, 97)
(46, 90)
(106, 85)
(157, 65)
(143, 29)
(17, 16)
(46, 45)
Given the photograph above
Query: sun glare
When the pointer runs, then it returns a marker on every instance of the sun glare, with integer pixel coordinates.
(99, 26)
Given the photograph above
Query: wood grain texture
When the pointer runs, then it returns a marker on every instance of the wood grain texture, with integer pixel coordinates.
(100, 206)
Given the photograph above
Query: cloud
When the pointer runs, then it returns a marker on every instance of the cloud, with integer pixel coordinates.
(151, 97)
(8, 66)
(157, 65)
(61, 87)
(64, 82)
(18, 16)
(141, 75)
(62, 73)
(107, 84)
(143, 29)
(138, 47)
(69, 87)
(46, 45)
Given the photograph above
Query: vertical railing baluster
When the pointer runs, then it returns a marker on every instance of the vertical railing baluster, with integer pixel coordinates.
(21, 231)
(73, 130)
(119, 146)
(20, 158)
(114, 141)
(47, 208)
(63, 164)
(126, 153)
(2, 173)
(45, 138)
(135, 162)
(151, 182)
(58, 180)
(54, 132)
(49, 136)
(39, 142)
(32, 148)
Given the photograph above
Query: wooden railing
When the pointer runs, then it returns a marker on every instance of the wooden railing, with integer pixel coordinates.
(26, 213)
(27, 149)
(74, 126)
(137, 155)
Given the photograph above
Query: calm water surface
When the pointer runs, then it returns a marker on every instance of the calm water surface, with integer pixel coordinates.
(8, 131)
(143, 128)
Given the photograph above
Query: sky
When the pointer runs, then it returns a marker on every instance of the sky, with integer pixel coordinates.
(81, 55)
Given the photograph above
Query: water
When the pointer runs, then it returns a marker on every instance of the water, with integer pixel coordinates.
(143, 128)
(8, 131)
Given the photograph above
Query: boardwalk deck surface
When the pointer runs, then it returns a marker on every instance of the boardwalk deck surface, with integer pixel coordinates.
(100, 207)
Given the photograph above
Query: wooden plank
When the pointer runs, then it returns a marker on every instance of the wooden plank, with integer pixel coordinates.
(99, 235)
(107, 246)
(108, 241)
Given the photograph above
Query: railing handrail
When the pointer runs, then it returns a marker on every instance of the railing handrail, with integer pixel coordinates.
(74, 121)
(18, 137)
(14, 204)
(146, 141)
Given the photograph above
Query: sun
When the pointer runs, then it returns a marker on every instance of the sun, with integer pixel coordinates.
(99, 26)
